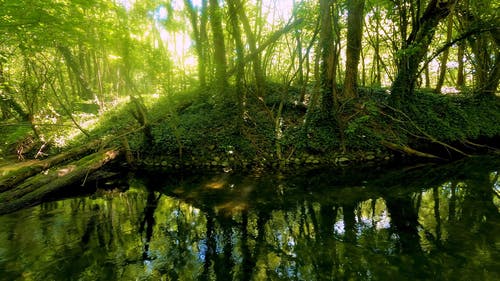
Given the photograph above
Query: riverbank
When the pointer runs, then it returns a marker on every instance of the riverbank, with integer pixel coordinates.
(279, 131)
(197, 130)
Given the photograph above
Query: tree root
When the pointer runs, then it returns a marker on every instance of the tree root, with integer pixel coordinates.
(408, 150)
(424, 135)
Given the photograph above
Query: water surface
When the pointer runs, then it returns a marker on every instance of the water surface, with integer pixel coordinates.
(421, 223)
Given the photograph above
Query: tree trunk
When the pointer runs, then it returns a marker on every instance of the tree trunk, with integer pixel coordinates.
(493, 80)
(444, 57)
(252, 45)
(353, 48)
(427, 74)
(68, 57)
(34, 189)
(481, 62)
(204, 39)
(9, 101)
(491, 85)
(378, 79)
(327, 69)
(193, 17)
(219, 45)
(234, 6)
(460, 58)
(298, 50)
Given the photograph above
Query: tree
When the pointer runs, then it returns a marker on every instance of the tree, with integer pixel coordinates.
(444, 57)
(199, 37)
(353, 48)
(234, 6)
(219, 46)
(329, 59)
(415, 48)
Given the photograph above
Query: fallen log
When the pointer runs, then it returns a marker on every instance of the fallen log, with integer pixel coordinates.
(34, 189)
(14, 174)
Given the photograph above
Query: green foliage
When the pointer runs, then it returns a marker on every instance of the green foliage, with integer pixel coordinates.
(451, 118)
(319, 136)
(192, 123)
(11, 135)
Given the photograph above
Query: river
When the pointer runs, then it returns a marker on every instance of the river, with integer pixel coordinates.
(426, 222)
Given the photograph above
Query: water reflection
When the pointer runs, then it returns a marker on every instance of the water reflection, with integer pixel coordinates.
(431, 223)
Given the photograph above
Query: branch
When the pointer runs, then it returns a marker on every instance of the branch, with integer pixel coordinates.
(425, 134)
(462, 37)
(275, 36)
(408, 150)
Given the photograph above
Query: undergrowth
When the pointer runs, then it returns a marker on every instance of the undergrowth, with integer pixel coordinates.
(200, 123)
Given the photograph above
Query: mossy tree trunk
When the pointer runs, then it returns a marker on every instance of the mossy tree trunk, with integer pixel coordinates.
(35, 189)
(215, 14)
(234, 6)
(328, 60)
(444, 57)
(22, 171)
(353, 48)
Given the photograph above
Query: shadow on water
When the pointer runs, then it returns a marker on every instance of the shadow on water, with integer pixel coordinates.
(422, 223)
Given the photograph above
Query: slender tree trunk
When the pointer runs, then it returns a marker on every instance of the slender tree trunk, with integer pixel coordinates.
(234, 6)
(377, 50)
(363, 69)
(427, 77)
(491, 85)
(460, 59)
(204, 38)
(327, 57)
(215, 14)
(353, 48)
(481, 59)
(444, 57)
(193, 17)
(298, 50)
(252, 45)
(70, 61)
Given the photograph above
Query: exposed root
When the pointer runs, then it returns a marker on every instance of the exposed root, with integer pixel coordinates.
(408, 150)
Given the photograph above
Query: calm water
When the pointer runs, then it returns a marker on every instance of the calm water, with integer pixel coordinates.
(426, 223)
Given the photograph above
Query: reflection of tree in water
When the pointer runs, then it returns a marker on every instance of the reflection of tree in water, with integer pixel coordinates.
(293, 229)
(148, 222)
(300, 239)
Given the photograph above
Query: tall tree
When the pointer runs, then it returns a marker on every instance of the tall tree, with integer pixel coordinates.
(198, 36)
(252, 45)
(415, 48)
(234, 6)
(219, 46)
(444, 57)
(328, 57)
(353, 48)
